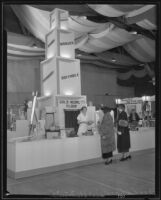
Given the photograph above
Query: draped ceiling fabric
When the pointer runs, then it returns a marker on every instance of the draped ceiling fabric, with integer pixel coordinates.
(94, 37)
(119, 59)
(114, 10)
(19, 39)
(135, 73)
(146, 17)
(142, 49)
(142, 15)
(99, 42)
(20, 52)
(36, 21)
(141, 80)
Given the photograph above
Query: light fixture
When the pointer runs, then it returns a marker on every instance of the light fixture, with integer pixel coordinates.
(145, 98)
(134, 32)
(68, 93)
(78, 55)
(34, 46)
(113, 60)
(153, 80)
(118, 101)
(47, 93)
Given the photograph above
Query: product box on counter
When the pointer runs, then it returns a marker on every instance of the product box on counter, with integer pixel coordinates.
(52, 135)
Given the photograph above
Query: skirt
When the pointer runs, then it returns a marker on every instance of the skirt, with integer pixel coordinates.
(123, 142)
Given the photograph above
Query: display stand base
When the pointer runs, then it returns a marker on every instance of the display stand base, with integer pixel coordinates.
(34, 172)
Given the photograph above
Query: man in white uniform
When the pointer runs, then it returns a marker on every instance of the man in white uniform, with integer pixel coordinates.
(82, 121)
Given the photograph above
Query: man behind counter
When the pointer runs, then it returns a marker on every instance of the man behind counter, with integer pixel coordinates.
(83, 121)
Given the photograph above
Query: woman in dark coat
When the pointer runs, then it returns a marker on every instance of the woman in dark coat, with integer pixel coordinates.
(106, 131)
(123, 135)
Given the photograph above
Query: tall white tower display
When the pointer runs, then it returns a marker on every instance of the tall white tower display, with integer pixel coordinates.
(60, 71)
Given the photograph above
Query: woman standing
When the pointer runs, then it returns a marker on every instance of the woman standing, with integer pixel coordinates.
(106, 131)
(123, 137)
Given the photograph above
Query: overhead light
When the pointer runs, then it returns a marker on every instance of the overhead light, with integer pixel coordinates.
(118, 101)
(47, 94)
(145, 98)
(34, 46)
(113, 60)
(134, 32)
(79, 55)
(68, 93)
(153, 80)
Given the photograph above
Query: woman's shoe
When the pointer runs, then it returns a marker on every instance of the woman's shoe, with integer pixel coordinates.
(108, 162)
(123, 159)
(128, 157)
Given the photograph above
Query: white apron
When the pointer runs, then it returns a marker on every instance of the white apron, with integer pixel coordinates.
(83, 127)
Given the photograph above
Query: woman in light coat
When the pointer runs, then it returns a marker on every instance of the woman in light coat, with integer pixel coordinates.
(106, 131)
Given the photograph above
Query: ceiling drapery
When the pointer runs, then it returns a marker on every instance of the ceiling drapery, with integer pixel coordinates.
(36, 21)
(116, 58)
(136, 77)
(114, 10)
(113, 38)
(135, 73)
(94, 37)
(142, 15)
(146, 19)
(20, 52)
(142, 49)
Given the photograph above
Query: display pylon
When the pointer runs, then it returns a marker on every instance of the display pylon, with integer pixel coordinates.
(60, 71)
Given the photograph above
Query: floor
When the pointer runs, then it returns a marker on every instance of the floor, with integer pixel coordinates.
(136, 176)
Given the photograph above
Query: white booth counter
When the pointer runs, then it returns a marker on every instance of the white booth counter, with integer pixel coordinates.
(142, 139)
(48, 155)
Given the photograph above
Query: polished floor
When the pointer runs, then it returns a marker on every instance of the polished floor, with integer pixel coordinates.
(136, 176)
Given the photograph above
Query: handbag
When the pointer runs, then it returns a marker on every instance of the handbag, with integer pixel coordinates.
(123, 123)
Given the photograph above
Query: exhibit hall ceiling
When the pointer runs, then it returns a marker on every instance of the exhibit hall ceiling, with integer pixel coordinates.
(117, 36)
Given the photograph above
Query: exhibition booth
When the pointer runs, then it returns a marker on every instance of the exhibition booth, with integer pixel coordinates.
(53, 144)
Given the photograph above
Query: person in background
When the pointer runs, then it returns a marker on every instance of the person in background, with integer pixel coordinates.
(25, 108)
(83, 121)
(106, 131)
(134, 118)
(123, 135)
(146, 111)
